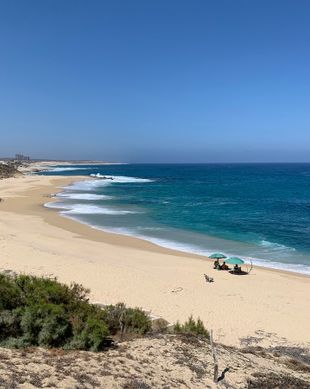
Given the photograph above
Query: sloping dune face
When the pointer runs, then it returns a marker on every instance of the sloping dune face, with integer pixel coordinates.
(161, 362)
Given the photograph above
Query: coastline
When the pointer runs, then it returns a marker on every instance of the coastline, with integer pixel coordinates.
(122, 268)
(159, 245)
(100, 235)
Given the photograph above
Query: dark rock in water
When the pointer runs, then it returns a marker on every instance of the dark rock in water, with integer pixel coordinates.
(102, 177)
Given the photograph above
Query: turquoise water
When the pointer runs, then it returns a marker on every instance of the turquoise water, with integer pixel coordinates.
(257, 211)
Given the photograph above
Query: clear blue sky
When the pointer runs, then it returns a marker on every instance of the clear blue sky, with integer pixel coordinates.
(156, 81)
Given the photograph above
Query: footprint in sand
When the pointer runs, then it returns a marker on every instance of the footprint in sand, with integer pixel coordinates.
(177, 290)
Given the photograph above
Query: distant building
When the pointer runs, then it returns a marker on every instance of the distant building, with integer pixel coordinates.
(21, 157)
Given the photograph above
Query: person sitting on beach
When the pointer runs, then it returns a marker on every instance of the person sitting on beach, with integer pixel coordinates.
(224, 266)
(237, 269)
(216, 264)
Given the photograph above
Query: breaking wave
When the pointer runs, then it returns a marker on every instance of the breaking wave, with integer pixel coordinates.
(83, 196)
(64, 169)
(85, 209)
(121, 179)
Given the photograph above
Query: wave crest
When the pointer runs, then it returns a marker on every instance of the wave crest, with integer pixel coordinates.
(85, 209)
(64, 169)
(121, 179)
(274, 246)
(83, 196)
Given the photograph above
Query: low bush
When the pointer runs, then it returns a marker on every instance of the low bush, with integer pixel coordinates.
(94, 336)
(37, 311)
(192, 327)
(132, 320)
(273, 380)
(10, 296)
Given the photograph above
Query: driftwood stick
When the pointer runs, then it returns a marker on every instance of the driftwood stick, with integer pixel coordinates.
(216, 366)
(122, 325)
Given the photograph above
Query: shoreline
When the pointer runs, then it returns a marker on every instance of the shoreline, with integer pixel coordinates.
(167, 282)
(34, 167)
(150, 245)
(156, 247)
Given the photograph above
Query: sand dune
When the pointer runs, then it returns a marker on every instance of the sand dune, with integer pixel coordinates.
(157, 362)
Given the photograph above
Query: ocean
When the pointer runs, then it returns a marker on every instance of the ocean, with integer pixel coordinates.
(260, 212)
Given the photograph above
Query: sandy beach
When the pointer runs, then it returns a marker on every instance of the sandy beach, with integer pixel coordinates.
(266, 307)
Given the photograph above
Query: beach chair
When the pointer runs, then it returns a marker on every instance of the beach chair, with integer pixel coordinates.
(208, 279)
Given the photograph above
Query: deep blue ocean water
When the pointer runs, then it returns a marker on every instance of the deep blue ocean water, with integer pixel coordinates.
(257, 211)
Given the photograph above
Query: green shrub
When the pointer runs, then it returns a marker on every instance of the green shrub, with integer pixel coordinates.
(94, 336)
(10, 324)
(113, 316)
(137, 321)
(192, 327)
(132, 320)
(20, 342)
(45, 325)
(36, 290)
(9, 293)
(37, 311)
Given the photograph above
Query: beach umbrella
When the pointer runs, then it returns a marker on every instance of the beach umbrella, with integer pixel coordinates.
(217, 256)
(234, 261)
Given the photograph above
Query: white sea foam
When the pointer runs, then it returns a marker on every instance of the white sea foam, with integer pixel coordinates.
(188, 248)
(64, 169)
(292, 267)
(170, 244)
(86, 185)
(275, 246)
(95, 210)
(83, 196)
(158, 241)
(142, 228)
(121, 179)
(174, 245)
(86, 209)
(56, 205)
(74, 210)
(90, 185)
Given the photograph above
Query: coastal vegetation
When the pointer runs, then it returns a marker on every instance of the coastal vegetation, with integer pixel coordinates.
(8, 170)
(192, 327)
(153, 361)
(37, 311)
(58, 318)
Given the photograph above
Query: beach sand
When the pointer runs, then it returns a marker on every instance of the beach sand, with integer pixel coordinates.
(266, 307)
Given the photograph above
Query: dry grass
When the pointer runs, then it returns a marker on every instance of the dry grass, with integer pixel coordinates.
(162, 361)
(274, 381)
